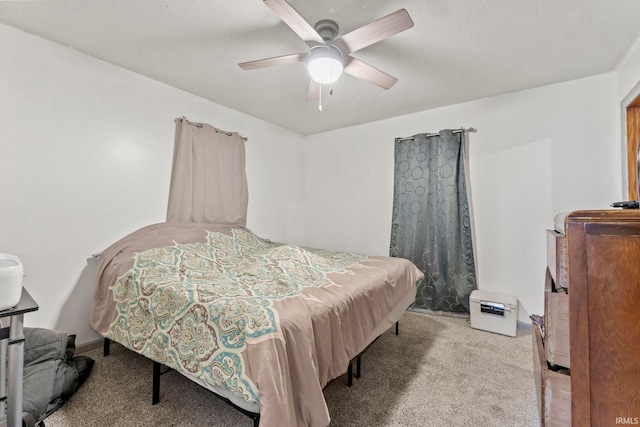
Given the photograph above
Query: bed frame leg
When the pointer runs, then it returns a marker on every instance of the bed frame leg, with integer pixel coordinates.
(155, 394)
(106, 344)
(358, 360)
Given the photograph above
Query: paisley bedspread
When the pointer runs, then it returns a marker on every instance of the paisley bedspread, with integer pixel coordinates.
(270, 323)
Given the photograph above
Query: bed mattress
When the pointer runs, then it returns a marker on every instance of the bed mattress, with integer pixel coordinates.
(394, 316)
(265, 325)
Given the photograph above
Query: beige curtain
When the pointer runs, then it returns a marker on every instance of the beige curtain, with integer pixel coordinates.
(208, 180)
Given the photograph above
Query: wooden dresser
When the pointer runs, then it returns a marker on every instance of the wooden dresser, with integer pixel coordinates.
(587, 361)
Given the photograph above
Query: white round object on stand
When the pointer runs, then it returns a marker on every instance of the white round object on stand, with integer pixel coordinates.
(11, 275)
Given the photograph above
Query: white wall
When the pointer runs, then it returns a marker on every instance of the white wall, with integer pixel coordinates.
(536, 153)
(628, 88)
(86, 147)
(628, 73)
(85, 158)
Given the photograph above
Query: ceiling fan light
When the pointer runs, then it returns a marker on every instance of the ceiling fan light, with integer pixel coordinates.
(324, 64)
(325, 70)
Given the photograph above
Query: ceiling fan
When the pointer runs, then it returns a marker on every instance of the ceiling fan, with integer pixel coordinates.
(330, 55)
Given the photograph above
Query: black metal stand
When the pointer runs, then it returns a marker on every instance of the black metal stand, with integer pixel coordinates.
(12, 359)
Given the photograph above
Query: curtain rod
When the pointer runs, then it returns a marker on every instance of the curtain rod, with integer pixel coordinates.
(199, 125)
(427, 135)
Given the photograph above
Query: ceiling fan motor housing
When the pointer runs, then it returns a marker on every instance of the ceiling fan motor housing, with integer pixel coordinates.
(327, 29)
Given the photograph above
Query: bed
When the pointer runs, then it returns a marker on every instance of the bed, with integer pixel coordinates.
(264, 325)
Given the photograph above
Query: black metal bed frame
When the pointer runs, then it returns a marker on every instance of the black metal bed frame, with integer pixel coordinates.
(255, 416)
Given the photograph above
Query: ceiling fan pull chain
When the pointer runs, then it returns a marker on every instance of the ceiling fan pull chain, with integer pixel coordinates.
(320, 97)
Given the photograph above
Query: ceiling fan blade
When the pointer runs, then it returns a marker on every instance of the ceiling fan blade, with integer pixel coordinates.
(364, 71)
(380, 29)
(276, 60)
(297, 23)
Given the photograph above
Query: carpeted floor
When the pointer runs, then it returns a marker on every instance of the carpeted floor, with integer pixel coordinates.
(437, 372)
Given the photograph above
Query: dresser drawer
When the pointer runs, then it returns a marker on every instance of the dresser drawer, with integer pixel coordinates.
(557, 258)
(553, 389)
(556, 325)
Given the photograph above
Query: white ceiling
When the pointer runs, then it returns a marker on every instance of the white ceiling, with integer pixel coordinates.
(458, 50)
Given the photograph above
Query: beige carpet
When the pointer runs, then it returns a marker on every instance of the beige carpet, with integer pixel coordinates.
(437, 372)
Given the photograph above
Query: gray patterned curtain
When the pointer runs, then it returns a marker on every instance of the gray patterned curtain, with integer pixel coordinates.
(431, 225)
